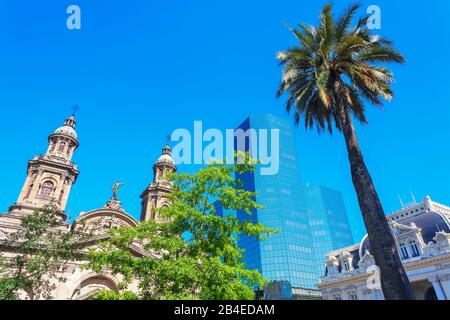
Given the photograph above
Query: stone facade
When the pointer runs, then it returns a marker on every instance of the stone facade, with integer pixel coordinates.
(422, 233)
(50, 178)
(52, 175)
(156, 194)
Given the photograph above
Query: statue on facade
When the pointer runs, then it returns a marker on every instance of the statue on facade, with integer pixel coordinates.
(115, 188)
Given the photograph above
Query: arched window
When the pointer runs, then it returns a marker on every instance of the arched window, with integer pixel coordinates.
(52, 146)
(62, 145)
(352, 296)
(414, 249)
(46, 189)
(404, 251)
(89, 287)
(345, 265)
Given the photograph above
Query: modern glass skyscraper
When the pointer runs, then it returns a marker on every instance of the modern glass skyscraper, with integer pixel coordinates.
(328, 222)
(288, 255)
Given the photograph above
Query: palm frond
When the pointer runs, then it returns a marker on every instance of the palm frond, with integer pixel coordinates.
(380, 54)
(344, 22)
(326, 31)
(335, 68)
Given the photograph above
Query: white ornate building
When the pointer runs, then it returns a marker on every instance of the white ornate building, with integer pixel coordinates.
(50, 178)
(422, 233)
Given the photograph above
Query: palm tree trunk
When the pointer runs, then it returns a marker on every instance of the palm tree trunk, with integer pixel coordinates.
(394, 281)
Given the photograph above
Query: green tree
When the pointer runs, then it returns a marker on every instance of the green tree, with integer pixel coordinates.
(327, 77)
(193, 253)
(38, 250)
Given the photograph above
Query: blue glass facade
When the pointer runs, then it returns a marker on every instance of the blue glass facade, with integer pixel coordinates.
(221, 211)
(278, 290)
(328, 221)
(288, 255)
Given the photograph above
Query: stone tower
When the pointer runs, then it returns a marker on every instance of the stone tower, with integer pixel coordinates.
(156, 194)
(51, 176)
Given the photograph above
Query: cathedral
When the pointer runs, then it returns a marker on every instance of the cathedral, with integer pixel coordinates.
(50, 178)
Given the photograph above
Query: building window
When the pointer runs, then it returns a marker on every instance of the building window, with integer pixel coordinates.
(353, 296)
(62, 145)
(404, 251)
(46, 189)
(415, 249)
(345, 265)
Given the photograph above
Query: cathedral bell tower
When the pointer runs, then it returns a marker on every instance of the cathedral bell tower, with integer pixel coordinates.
(157, 193)
(51, 176)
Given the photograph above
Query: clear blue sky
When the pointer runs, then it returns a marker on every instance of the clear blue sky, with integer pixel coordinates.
(139, 69)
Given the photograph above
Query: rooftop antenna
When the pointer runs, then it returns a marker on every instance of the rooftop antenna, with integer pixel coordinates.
(414, 198)
(401, 201)
(75, 109)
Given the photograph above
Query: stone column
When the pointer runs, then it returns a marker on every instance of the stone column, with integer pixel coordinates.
(37, 182)
(26, 187)
(60, 187)
(437, 288)
(72, 149)
(66, 194)
(445, 283)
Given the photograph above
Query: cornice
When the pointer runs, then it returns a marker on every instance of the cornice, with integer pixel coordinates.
(358, 277)
(72, 167)
(361, 276)
(412, 265)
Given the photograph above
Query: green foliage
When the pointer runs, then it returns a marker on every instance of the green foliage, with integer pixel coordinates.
(40, 248)
(193, 253)
(111, 295)
(7, 286)
(334, 69)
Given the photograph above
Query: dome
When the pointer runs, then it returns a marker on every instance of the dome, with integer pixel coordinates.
(166, 158)
(429, 222)
(68, 128)
(67, 131)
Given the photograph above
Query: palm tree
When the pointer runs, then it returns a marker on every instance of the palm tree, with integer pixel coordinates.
(328, 77)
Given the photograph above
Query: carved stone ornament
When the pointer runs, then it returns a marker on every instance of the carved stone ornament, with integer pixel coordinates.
(367, 260)
(114, 205)
(439, 247)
